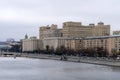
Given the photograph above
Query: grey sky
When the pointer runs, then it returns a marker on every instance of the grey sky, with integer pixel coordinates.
(18, 17)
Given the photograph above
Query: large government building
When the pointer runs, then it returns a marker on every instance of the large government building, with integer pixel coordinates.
(74, 36)
(74, 29)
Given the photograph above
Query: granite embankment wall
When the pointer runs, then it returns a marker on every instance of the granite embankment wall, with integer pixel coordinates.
(90, 60)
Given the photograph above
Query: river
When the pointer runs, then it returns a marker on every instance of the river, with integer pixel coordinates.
(41, 69)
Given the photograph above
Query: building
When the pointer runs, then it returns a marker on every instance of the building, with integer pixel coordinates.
(74, 36)
(15, 46)
(4, 46)
(56, 42)
(32, 44)
(108, 43)
(116, 32)
(76, 29)
(49, 31)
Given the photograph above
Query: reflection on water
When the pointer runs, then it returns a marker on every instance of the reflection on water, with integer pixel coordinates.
(38, 69)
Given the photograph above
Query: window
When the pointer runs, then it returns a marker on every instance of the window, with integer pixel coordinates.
(101, 41)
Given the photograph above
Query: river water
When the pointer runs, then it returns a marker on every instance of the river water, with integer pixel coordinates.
(40, 69)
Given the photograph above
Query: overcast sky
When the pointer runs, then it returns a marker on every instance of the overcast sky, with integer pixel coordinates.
(20, 17)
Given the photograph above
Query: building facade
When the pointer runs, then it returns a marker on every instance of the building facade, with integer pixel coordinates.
(49, 31)
(57, 42)
(32, 44)
(76, 29)
(74, 36)
(108, 43)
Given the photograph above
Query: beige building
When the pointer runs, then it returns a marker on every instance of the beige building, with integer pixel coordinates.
(31, 44)
(56, 42)
(49, 31)
(76, 29)
(108, 43)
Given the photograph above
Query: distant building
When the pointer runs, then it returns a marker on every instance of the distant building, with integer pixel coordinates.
(116, 32)
(9, 40)
(32, 44)
(4, 46)
(15, 46)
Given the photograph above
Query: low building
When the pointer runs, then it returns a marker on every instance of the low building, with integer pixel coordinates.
(108, 43)
(4, 46)
(32, 44)
(57, 42)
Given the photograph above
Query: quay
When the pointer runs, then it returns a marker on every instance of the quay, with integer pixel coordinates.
(89, 60)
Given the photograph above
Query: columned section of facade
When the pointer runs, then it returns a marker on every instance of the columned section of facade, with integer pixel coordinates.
(105, 43)
(32, 44)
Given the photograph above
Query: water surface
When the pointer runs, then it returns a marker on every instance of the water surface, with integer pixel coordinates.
(40, 69)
